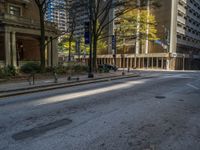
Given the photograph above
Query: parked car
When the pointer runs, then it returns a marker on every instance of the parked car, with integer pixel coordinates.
(107, 68)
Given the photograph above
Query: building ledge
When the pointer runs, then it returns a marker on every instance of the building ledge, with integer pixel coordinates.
(23, 22)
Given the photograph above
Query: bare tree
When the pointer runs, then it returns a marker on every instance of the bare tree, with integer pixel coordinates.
(99, 16)
(71, 10)
(42, 7)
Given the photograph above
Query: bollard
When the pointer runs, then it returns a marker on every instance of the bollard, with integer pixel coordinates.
(33, 78)
(55, 77)
(69, 78)
(29, 79)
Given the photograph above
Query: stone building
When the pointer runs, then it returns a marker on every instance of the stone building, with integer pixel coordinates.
(20, 34)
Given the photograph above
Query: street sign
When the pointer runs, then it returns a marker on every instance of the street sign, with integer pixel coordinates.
(87, 33)
(113, 42)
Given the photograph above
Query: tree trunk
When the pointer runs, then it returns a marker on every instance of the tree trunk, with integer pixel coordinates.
(95, 45)
(42, 41)
(70, 46)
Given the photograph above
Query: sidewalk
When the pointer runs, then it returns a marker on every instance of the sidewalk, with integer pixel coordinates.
(24, 85)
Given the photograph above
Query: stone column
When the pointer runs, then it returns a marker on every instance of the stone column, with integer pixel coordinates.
(157, 62)
(14, 51)
(147, 62)
(7, 48)
(49, 52)
(55, 52)
(162, 63)
(135, 62)
(168, 63)
(139, 62)
(131, 62)
(173, 28)
(143, 64)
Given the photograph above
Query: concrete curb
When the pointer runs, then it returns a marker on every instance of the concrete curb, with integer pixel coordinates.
(62, 85)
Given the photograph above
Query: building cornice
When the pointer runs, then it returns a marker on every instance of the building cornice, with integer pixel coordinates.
(21, 22)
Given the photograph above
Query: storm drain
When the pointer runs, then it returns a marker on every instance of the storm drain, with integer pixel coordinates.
(37, 131)
(160, 97)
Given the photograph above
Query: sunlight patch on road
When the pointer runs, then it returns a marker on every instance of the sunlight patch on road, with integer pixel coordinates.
(56, 99)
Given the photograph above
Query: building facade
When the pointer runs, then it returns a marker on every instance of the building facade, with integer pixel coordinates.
(65, 12)
(178, 44)
(78, 18)
(20, 34)
(57, 13)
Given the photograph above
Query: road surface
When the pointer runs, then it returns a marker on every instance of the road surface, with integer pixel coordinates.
(157, 113)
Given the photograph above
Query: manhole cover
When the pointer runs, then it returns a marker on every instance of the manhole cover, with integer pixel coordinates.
(160, 97)
(39, 130)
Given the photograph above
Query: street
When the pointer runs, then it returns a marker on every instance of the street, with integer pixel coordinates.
(159, 112)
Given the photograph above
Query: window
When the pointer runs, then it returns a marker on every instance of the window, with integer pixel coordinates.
(15, 10)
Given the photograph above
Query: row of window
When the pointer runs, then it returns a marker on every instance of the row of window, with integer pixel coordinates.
(15, 10)
(189, 21)
(190, 24)
(195, 3)
(189, 10)
(188, 39)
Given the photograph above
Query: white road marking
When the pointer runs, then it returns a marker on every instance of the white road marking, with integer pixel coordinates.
(192, 86)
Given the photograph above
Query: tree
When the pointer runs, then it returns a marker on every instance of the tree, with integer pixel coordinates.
(42, 7)
(99, 11)
(71, 9)
(127, 26)
(65, 47)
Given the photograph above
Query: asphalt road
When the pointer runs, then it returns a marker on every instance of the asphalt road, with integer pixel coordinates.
(158, 113)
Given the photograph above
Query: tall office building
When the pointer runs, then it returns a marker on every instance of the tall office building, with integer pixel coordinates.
(57, 13)
(178, 44)
(80, 16)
